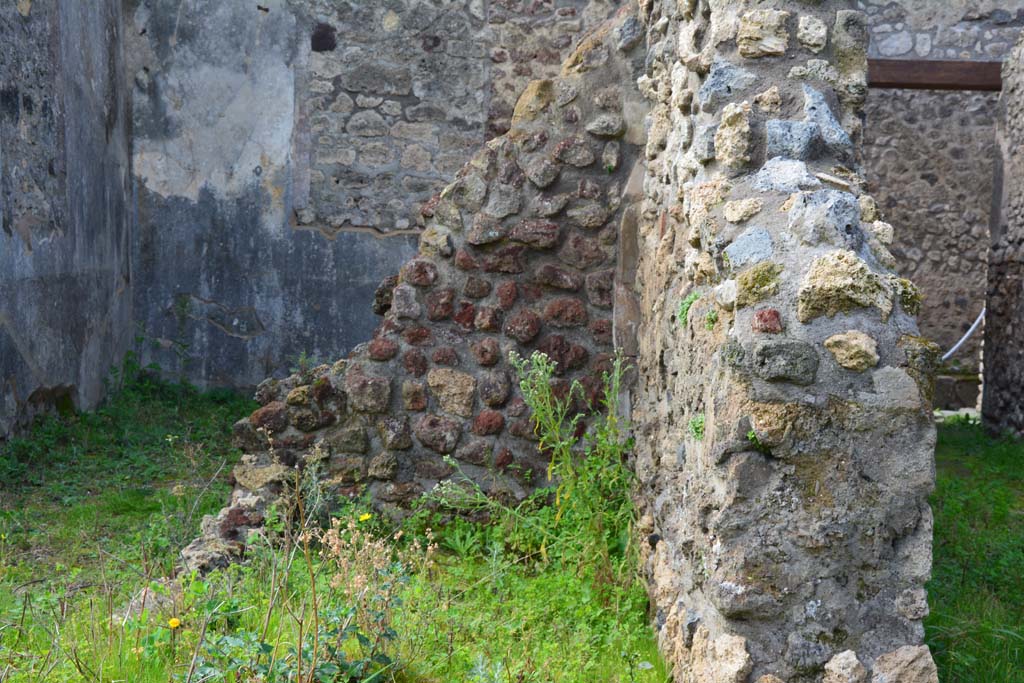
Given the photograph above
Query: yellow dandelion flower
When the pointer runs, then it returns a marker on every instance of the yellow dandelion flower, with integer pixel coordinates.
(174, 623)
(365, 517)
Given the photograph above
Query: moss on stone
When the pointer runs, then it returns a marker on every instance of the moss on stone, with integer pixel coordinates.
(839, 282)
(696, 427)
(757, 283)
(923, 357)
(910, 296)
(710, 318)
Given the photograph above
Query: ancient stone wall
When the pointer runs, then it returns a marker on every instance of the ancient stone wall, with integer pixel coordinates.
(929, 161)
(1002, 405)
(783, 422)
(65, 214)
(281, 151)
(518, 254)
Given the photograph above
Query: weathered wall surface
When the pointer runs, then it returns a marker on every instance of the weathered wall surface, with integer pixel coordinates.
(282, 151)
(1003, 397)
(65, 205)
(784, 432)
(519, 254)
(929, 160)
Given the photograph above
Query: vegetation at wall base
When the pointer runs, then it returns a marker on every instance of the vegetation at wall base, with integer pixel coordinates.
(95, 506)
(546, 591)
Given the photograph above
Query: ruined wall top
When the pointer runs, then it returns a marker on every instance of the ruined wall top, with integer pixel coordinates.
(519, 253)
(784, 435)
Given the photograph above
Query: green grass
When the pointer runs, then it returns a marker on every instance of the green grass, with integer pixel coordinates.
(976, 626)
(95, 506)
(134, 476)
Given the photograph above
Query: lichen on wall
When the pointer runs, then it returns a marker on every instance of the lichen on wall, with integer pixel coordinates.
(784, 434)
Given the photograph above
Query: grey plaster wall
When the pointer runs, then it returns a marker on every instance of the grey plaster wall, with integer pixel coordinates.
(282, 152)
(65, 205)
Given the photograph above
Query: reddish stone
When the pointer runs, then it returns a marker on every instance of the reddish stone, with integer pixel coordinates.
(509, 173)
(535, 141)
(523, 429)
(589, 189)
(382, 295)
(593, 391)
(531, 293)
(516, 407)
(476, 452)
(507, 294)
(486, 229)
(767, 320)
(438, 433)
(566, 312)
(488, 319)
(323, 390)
(414, 362)
(464, 260)
(445, 355)
(429, 206)
(476, 287)
(560, 388)
(414, 395)
(505, 260)
(273, 417)
(367, 393)
(464, 317)
(440, 304)
(538, 233)
(565, 354)
(387, 326)
(602, 363)
(494, 388)
(400, 493)
(523, 326)
(560, 278)
(601, 330)
(488, 422)
(433, 468)
(581, 252)
(503, 459)
(417, 335)
(395, 433)
(601, 288)
(574, 150)
(383, 349)
(419, 273)
(486, 351)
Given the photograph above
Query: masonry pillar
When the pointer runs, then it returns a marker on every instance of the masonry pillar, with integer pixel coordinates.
(785, 438)
(1003, 389)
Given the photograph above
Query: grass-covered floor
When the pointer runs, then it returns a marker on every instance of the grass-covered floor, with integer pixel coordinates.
(93, 506)
(976, 626)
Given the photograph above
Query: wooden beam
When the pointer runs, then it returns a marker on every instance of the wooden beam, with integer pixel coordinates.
(918, 74)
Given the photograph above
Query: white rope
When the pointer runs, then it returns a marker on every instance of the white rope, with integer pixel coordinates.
(963, 340)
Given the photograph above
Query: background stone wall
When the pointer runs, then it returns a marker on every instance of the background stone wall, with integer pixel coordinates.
(281, 153)
(929, 157)
(519, 253)
(1002, 408)
(65, 205)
